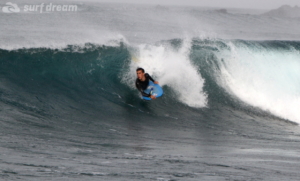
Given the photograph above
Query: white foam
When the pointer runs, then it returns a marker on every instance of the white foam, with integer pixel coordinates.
(266, 78)
(171, 68)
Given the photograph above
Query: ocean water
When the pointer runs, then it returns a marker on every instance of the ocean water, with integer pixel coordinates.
(69, 109)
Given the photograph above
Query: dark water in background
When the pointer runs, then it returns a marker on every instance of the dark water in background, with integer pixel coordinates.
(229, 112)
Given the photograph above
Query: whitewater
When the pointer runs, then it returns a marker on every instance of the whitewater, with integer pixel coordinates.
(69, 109)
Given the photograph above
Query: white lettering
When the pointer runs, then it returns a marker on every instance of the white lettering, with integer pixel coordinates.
(58, 8)
(65, 8)
(53, 7)
(36, 7)
(72, 7)
(42, 6)
(31, 8)
(49, 7)
(26, 8)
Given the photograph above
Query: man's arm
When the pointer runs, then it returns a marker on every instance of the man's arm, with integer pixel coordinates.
(141, 90)
(147, 75)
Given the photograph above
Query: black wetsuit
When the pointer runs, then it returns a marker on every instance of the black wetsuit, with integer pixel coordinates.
(142, 85)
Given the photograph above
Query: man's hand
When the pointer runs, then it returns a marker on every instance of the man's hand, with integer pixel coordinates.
(152, 97)
(155, 82)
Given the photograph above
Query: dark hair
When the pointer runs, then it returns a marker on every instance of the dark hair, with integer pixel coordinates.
(138, 69)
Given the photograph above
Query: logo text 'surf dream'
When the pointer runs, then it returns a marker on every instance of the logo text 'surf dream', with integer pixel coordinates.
(50, 7)
(13, 8)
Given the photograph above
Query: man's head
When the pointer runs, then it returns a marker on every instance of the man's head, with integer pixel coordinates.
(140, 72)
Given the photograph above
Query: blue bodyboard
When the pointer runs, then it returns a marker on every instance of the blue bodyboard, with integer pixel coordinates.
(153, 89)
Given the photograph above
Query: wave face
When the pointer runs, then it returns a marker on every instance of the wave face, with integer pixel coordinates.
(195, 73)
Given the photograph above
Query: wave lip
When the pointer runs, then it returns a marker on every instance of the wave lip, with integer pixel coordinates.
(264, 75)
